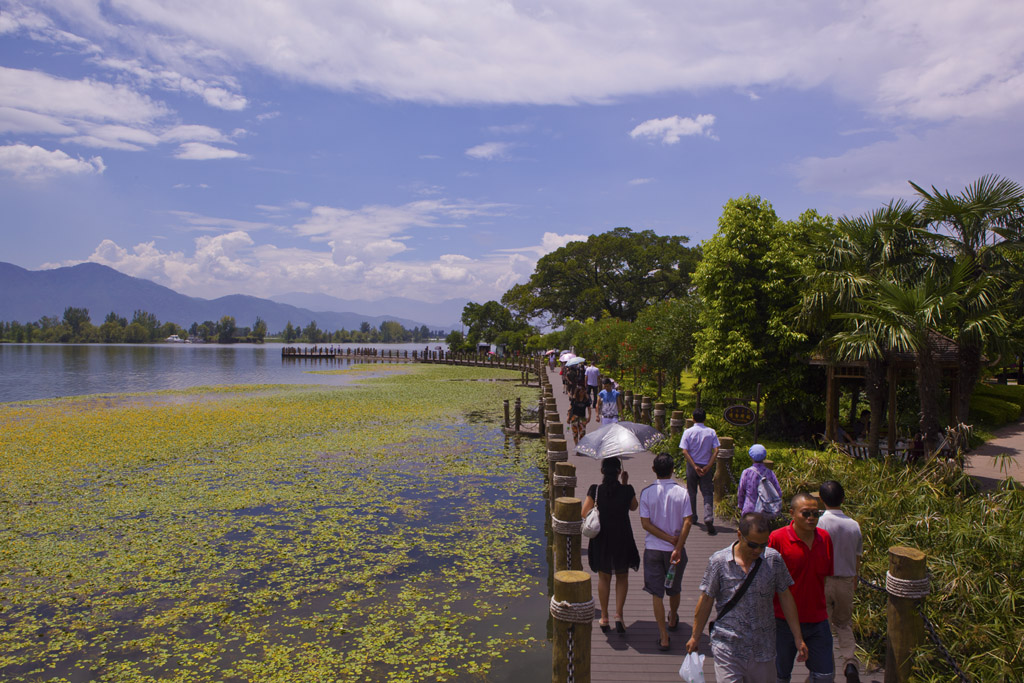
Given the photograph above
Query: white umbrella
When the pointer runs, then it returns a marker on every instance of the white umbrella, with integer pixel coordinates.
(566, 356)
(618, 440)
(575, 361)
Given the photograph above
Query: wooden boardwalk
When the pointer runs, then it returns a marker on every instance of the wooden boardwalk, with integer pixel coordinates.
(633, 656)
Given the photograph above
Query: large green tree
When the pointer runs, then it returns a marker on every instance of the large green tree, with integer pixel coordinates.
(619, 272)
(491, 322)
(976, 230)
(661, 341)
(749, 281)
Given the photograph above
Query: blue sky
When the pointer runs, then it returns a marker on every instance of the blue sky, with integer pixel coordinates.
(436, 149)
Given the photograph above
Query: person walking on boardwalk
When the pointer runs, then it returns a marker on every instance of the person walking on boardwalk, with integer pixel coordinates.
(807, 551)
(739, 582)
(700, 448)
(613, 551)
(848, 546)
(579, 412)
(593, 379)
(665, 516)
(750, 483)
(608, 403)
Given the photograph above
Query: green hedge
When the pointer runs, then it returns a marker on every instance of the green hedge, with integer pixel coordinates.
(1004, 392)
(990, 409)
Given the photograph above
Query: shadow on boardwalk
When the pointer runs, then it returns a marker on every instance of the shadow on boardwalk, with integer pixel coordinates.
(633, 656)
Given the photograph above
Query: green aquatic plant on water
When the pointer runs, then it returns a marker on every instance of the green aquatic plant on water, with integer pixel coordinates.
(974, 541)
(272, 533)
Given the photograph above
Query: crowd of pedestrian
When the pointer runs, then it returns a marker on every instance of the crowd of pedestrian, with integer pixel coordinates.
(780, 596)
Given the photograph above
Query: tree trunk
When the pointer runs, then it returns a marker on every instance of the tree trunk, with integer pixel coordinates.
(969, 367)
(874, 386)
(928, 395)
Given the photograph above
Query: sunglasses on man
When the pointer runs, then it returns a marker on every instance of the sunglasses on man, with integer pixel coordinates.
(808, 514)
(755, 546)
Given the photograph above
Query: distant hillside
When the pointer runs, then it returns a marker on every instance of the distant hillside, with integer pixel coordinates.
(447, 313)
(27, 295)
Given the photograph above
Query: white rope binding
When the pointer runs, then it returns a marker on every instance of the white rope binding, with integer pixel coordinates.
(726, 453)
(913, 589)
(565, 480)
(558, 456)
(560, 526)
(573, 612)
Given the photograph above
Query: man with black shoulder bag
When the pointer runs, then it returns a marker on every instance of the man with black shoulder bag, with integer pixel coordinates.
(740, 581)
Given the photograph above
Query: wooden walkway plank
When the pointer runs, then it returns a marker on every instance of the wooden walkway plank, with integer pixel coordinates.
(633, 656)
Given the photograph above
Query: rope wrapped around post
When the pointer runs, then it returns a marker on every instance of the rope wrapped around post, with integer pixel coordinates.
(572, 609)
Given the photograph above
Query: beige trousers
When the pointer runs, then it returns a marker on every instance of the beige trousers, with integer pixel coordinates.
(839, 603)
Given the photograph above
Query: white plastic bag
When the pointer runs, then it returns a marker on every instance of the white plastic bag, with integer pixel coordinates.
(692, 670)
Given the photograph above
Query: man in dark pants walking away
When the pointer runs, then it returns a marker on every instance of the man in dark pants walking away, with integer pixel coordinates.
(700, 448)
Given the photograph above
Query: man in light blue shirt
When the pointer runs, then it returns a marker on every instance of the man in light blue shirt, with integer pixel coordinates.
(700, 448)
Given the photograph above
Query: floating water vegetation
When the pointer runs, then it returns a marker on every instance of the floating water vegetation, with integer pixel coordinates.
(271, 534)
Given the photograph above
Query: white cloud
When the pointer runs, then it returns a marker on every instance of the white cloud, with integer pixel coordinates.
(21, 121)
(490, 150)
(640, 181)
(36, 163)
(948, 156)
(338, 257)
(193, 133)
(88, 99)
(913, 58)
(200, 151)
(670, 130)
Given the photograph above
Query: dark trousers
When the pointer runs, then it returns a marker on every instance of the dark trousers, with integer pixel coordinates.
(707, 490)
(818, 637)
(592, 392)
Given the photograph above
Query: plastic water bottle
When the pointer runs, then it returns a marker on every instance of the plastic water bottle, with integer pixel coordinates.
(670, 576)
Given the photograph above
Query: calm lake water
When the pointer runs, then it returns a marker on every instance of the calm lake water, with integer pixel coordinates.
(34, 371)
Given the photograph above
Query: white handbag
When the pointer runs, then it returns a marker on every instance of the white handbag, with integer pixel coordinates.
(592, 523)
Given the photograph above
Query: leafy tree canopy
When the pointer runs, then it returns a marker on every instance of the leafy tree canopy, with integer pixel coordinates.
(619, 272)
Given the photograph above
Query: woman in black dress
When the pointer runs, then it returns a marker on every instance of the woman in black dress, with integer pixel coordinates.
(613, 551)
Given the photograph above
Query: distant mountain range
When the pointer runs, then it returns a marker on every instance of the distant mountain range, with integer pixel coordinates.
(27, 295)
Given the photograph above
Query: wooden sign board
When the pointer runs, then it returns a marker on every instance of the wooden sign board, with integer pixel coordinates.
(739, 415)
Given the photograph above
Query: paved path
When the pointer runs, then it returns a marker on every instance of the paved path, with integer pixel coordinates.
(1000, 458)
(633, 656)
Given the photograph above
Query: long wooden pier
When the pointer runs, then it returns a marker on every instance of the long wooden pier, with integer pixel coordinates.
(633, 656)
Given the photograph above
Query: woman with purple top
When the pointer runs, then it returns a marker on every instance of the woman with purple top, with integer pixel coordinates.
(746, 494)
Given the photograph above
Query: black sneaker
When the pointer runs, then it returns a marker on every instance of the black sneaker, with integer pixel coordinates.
(852, 676)
(711, 529)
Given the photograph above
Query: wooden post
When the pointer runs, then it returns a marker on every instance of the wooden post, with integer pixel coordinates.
(565, 479)
(659, 416)
(518, 415)
(505, 406)
(556, 429)
(724, 461)
(557, 452)
(645, 410)
(567, 542)
(905, 627)
(541, 422)
(638, 402)
(574, 588)
(627, 402)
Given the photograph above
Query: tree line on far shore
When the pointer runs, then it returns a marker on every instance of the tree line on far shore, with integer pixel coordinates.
(76, 327)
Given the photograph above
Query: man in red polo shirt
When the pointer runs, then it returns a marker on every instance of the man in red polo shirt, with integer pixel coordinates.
(807, 551)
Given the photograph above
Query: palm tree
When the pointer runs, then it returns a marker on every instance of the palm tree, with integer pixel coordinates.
(887, 242)
(975, 229)
(896, 317)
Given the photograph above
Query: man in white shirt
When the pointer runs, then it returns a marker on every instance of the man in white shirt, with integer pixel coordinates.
(847, 547)
(593, 383)
(665, 516)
